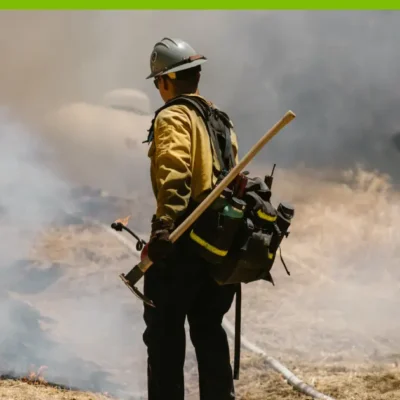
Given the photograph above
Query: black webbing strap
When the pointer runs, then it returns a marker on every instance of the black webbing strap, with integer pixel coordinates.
(283, 261)
(228, 151)
(238, 333)
(204, 111)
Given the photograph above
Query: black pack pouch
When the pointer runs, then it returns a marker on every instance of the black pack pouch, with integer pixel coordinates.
(260, 211)
(258, 186)
(256, 243)
(213, 233)
(249, 260)
(285, 213)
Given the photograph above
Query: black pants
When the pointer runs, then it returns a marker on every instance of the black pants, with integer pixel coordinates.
(181, 287)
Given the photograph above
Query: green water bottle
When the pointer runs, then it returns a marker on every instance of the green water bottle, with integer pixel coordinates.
(234, 209)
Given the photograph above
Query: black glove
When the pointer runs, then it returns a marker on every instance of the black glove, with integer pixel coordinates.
(160, 246)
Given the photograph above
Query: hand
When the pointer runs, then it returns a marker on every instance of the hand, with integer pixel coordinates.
(145, 252)
(160, 246)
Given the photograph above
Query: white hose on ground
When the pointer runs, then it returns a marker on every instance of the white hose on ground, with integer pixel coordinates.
(290, 377)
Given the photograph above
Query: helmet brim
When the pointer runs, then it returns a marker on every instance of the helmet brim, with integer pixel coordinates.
(179, 68)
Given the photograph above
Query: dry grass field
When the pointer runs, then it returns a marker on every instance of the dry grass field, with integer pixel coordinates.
(257, 383)
(333, 321)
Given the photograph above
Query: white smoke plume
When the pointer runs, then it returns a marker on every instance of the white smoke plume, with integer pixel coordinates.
(60, 307)
(338, 70)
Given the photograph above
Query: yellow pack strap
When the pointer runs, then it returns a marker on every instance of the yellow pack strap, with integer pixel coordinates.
(207, 246)
(270, 255)
(266, 217)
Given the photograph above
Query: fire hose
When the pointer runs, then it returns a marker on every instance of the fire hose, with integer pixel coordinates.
(289, 376)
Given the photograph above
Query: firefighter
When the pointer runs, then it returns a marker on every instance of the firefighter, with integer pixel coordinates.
(183, 171)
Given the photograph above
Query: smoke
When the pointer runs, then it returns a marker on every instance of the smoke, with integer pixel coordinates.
(106, 147)
(337, 71)
(31, 193)
(59, 303)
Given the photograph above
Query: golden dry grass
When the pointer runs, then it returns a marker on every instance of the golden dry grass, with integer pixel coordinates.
(17, 390)
(355, 383)
(333, 322)
(256, 383)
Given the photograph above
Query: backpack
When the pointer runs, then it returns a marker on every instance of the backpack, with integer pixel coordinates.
(238, 235)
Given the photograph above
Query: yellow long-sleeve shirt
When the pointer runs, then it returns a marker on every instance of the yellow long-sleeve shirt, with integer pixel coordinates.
(182, 160)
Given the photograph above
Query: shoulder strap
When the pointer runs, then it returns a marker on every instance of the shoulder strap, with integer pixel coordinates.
(206, 112)
(228, 156)
(176, 100)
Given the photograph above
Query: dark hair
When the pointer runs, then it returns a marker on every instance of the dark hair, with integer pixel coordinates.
(187, 81)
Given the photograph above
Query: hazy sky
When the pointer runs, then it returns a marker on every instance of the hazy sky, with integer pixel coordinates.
(337, 70)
